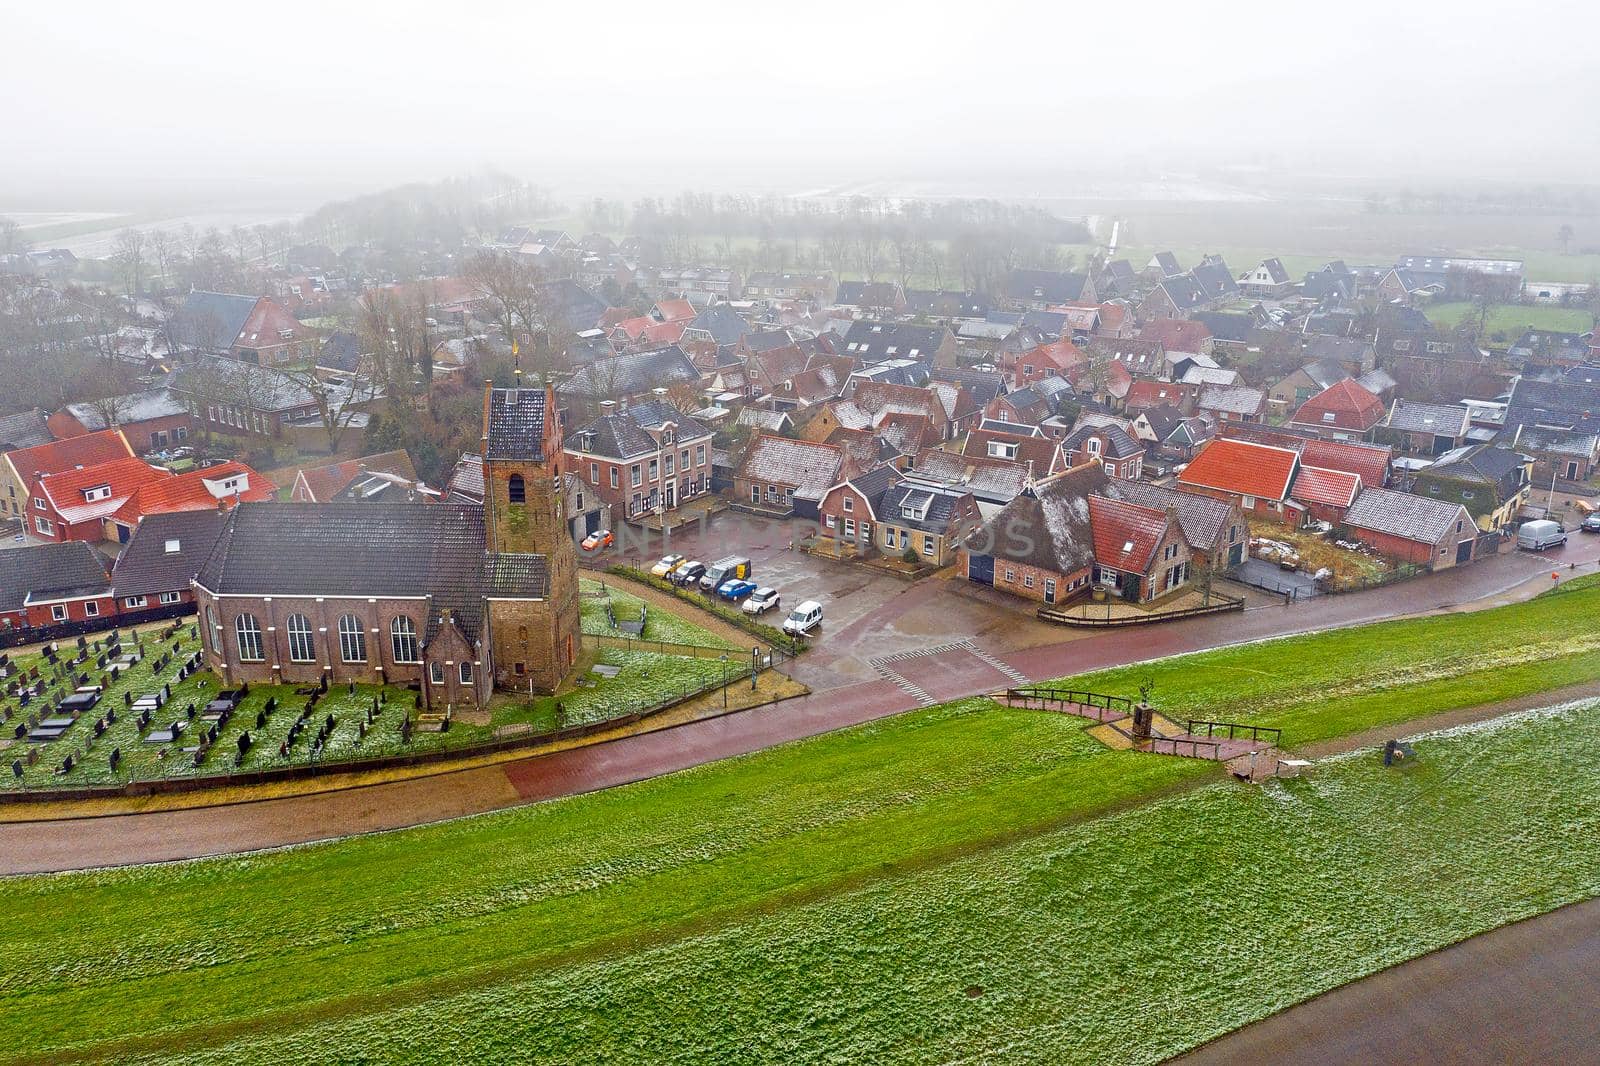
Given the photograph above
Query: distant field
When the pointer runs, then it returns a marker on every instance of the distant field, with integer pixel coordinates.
(1509, 320)
(939, 885)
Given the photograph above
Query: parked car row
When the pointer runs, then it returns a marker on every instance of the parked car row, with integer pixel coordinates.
(729, 579)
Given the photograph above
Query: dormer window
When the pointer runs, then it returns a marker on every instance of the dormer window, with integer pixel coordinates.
(99, 492)
(1092, 445)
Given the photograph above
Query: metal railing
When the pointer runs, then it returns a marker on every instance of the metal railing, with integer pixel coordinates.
(1235, 730)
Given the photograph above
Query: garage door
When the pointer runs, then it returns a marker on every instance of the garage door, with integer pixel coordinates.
(1464, 551)
(1235, 555)
(980, 568)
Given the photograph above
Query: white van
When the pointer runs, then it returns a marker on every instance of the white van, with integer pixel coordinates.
(803, 619)
(1540, 534)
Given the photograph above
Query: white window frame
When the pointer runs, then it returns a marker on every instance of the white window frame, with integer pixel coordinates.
(247, 639)
(133, 603)
(353, 634)
(302, 639)
(58, 612)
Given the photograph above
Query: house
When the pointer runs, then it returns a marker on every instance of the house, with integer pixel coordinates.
(1332, 283)
(788, 477)
(1557, 422)
(1399, 286)
(872, 341)
(714, 330)
(817, 288)
(1162, 265)
(320, 484)
(52, 584)
(1543, 347)
(1143, 395)
(254, 329)
(1342, 411)
(1228, 330)
(1268, 281)
(570, 304)
(1057, 359)
(1461, 278)
(869, 298)
(1413, 529)
(1292, 390)
(211, 488)
(1492, 483)
(1040, 290)
(151, 420)
(1117, 278)
(455, 599)
(1418, 428)
(1428, 351)
(945, 304)
(1217, 531)
(925, 520)
(1257, 477)
(21, 468)
(1112, 446)
(158, 566)
(1175, 297)
(1231, 403)
(1066, 533)
(992, 482)
(643, 460)
(702, 285)
(1369, 461)
(1216, 281)
(25, 429)
(849, 509)
(241, 399)
(78, 504)
(1324, 495)
(625, 378)
(1177, 339)
(1033, 453)
(1142, 358)
(1020, 406)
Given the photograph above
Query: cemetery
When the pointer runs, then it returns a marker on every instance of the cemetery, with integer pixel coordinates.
(130, 706)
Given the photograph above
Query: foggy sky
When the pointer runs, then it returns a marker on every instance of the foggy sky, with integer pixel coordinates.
(112, 103)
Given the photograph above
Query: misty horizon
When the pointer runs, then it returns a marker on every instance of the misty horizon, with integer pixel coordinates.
(185, 106)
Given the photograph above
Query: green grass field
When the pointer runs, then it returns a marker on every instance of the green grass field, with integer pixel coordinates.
(1506, 322)
(659, 625)
(834, 899)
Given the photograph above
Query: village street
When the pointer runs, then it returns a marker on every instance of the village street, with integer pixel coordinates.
(889, 646)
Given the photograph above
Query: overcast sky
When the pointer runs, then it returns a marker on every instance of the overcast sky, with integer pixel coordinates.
(110, 102)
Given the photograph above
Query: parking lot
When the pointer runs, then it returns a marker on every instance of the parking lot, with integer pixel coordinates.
(869, 616)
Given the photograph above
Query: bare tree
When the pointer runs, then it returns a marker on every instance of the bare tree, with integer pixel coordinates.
(1564, 237)
(12, 242)
(337, 401)
(129, 258)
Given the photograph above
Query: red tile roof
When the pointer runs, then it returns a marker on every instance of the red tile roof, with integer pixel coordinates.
(664, 333)
(634, 327)
(193, 491)
(1126, 535)
(319, 484)
(1143, 394)
(1176, 334)
(65, 491)
(57, 456)
(1369, 461)
(1242, 468)
(1335, 488)
(1351, 406)
(674, 310)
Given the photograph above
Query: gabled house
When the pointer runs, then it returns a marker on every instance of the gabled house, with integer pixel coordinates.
(349, 478)
(1058, 359)
(1268, 281)
(870, 341)
(1217, 531)
(1112, 446)
(211, 488)
(1040, 290)
(254, 329)
(644, 460)
(1414, 529)
(52, 584)
(1021, 406)
(1257, 477)
(151, 420)
(163, 557)
(1143, 395)
(788, 477)
(992, 482)
(78, 504)
(1342, 411)
(625, 378)
(1418, 428)
(869, 298)
(21, 468)
(1492, 483)
(1325, 495)
(242, 399)
(1162, 265)
(1035, 453)
(1231, 403)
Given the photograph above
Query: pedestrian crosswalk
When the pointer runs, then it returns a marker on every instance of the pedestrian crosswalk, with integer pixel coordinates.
(888, 667)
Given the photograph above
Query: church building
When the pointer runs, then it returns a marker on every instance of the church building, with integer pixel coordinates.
(459, 598)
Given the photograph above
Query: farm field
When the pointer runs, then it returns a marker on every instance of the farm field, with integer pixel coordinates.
(1506, 322)
(949, 874)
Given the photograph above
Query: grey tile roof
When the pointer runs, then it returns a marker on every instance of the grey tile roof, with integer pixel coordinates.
(25, 429)
(1203, 519)
(722, 323)
(401, 550)
(1402, 514)
(1119, 445)
(871, 341)
(622, 435)
(900, 502)
(1051, 286)
(210, 320)
(631, 374)
(258, 387)
(1442, 419)
(42, 569)
(516, 424)
(134, 407)
(146, 567)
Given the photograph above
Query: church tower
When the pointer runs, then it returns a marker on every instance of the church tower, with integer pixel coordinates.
(535, 641)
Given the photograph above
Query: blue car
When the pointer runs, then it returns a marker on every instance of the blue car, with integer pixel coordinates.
(737, 589)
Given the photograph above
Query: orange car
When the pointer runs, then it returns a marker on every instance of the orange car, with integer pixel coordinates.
(600, 538)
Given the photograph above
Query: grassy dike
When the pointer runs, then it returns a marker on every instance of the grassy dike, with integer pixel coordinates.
(954, 881)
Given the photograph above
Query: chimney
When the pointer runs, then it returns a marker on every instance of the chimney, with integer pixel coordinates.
(608, 407)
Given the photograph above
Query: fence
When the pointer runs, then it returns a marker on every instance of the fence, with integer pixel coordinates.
(1081, 700)
(774, 657)
(1235, 730)
(303, 771)
(1186, 747)
(1067, 616)
(16, 638)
